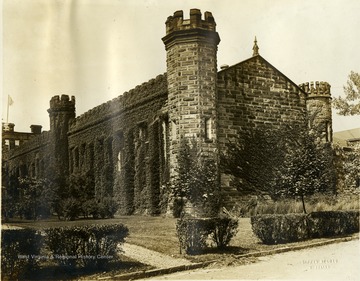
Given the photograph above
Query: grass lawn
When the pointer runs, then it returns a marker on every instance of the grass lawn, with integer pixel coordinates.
(159, 234)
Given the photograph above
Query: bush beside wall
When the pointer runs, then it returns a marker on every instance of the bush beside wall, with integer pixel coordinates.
(20, 249)
(85, 246)
(333, 223)
(277, 229)
(194, 233)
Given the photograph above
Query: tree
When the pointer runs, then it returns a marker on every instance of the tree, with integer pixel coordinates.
(347, 166)
(350, 104)
(196, 182)
(352, 166)
(79, 197)
(350, 158)
(253, 159)
(308, 168)
(289, 162)
(37, 198)
(10, 196)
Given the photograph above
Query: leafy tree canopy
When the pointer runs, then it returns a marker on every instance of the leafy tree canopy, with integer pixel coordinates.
(350, 104)
(289, 161)
(197, 180)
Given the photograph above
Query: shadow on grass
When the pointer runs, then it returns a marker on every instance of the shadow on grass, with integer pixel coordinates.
(227, 250)
(211, 254)
(56, 272)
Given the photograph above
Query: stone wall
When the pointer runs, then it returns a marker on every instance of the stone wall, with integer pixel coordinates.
(255, 94)
(31, 158)
(119, 142)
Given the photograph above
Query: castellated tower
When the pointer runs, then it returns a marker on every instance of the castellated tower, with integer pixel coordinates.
(191, 46)
(61, 112)
(318, 105)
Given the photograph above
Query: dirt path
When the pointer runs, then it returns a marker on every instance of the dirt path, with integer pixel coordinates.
(6, 226)
(152, 258)
(338, 261)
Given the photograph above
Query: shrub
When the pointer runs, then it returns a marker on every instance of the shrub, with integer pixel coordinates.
(333, 223)
(280, 207)
(37, 198)
(275, 229)
(193, 233)
(178, 207)
(90, 208)
(224, 229)
(20, 249)
(316, 203)
(70, 208)
(107, 207)
(85, 246)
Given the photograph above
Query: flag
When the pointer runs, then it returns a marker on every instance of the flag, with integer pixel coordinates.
(10, 100)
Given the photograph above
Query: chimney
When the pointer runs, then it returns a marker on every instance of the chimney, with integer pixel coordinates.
(36, 129)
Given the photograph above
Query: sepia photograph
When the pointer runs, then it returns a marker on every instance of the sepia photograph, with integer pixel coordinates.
(180, 140)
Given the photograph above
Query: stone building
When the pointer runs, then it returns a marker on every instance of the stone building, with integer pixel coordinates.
(348, 138)
(129, 144)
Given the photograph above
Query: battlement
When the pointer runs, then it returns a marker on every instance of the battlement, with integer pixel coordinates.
(316, 88)
(62, 103)
(177, 21)
(139, 95)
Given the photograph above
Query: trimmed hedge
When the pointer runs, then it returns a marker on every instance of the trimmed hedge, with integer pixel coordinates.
(85, 246)
(285, 228)
(194, 233)
(333, 223)
(223, 230)
(20, 249)
(277, 229)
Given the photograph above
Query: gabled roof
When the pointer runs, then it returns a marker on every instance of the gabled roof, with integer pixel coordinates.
(266, 62)
(346, 136)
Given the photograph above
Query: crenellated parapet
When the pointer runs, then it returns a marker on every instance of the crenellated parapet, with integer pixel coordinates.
(177, 21)
(140, 94)
(316, 89)
(179, 29)
(318, 105)
(62, 103)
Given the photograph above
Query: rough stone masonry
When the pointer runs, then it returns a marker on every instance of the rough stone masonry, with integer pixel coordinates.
(129, 144)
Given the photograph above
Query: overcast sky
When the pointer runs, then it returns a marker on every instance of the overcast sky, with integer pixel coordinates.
(98, 49)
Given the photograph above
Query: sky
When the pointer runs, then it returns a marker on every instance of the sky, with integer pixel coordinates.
(98, 49)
